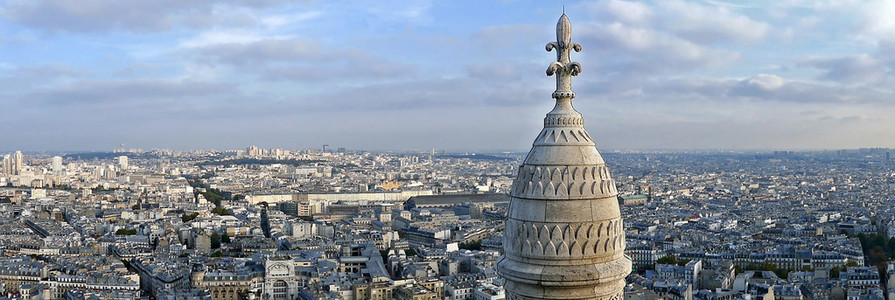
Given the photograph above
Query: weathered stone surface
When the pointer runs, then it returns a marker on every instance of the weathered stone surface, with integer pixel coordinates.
(564, 236)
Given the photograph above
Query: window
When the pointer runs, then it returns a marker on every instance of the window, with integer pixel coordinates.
(279, 289)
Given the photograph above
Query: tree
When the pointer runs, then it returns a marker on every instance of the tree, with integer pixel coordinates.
(124, 231)
(782, 273)
(217, 254)
(384, 254)
(225, 238)
(667, 260)
(474, 245)
(265, 222)
(878, 240)
(220, 211)
(215, 240)
(834, 272)
(876, 250)
(188, 217)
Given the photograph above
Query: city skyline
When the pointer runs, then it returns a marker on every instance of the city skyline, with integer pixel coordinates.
(445, 75)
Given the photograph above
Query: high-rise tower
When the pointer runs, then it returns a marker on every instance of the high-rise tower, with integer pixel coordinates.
(18, 163)
(7, 164)
(564, 236)
(57, 164)
(122, 162)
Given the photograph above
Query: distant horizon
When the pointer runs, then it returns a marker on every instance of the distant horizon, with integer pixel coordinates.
(451, 151)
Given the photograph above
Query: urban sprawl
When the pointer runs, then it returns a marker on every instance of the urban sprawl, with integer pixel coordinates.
(336, 224)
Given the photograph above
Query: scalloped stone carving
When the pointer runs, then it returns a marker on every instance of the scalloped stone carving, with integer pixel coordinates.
(552, 240)
(563, 182)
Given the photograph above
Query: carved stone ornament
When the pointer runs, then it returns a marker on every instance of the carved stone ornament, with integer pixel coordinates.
(564, 236)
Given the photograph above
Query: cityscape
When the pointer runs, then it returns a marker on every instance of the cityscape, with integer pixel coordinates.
(752, 159)
(429, 225)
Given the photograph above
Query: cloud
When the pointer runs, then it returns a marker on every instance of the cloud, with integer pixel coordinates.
(657, 74)
(281, 20)
(213, 38)
(390, 10)
(625, 38)
(629, 12)
(767, 82)
(493, 71)
(253, 50)
(48, 74)
(760, 88)
(336, 71)
(646, 51)
(612, 11)
(705, 24)
(434, 94)
(861, 68)
(143, 16)
(876, 22)
(513, 36)
(298, 60)
(126, 92)
(691, 21)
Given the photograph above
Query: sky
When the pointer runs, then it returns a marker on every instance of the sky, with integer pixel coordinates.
(463, 75)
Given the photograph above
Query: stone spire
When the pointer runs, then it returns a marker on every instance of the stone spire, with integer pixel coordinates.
(564, 237)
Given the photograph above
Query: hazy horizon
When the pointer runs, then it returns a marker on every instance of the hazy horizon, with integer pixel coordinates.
(454, 151)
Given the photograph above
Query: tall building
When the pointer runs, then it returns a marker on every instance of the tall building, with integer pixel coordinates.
(7, 164)
(122, 162)
(18, 163)
(564, 236)
(253, 151)
(57, 164)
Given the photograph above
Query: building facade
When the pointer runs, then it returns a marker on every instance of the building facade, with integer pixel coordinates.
(279, 279)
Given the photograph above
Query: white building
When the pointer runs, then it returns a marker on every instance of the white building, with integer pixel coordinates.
(279, 279)
(57, 164)
(122, 162)
(489, 292)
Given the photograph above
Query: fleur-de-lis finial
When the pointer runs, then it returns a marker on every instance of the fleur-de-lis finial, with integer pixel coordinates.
(563, 67)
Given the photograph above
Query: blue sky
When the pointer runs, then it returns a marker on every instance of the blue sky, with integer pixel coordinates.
(456, 75)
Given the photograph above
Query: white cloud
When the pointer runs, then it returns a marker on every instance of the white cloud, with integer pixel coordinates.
(629, 12)
(877, 22)
(766, 82)
(650, 51)
(218, 37)
(87, 16)
(710, 24)
(282, 20)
